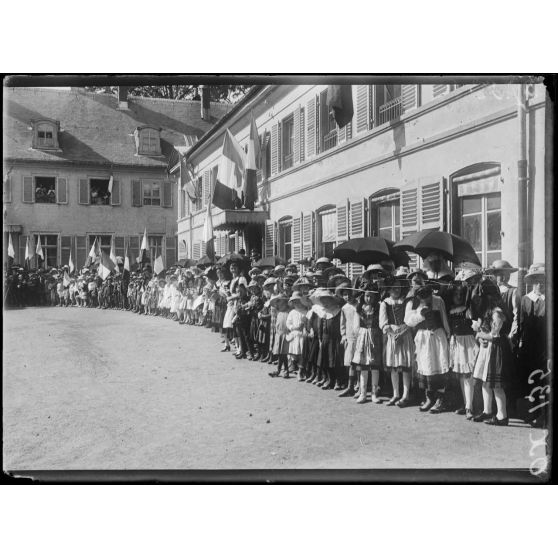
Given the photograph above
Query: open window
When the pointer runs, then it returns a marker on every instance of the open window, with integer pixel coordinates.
(326, 220)
(99, 191)
(385, 217)
(45, 189)
(285, 229)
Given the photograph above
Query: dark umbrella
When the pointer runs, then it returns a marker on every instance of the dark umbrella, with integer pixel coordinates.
(186, 262)
(231, 257)
(205, 261)
(370, 250)
(450, 246)
(270, 261)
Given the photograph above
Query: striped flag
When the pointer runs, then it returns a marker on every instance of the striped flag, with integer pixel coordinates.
(71, 263)
(228, 187)
(252, 164)
(11, 251)
(106, 265)
(39, 248)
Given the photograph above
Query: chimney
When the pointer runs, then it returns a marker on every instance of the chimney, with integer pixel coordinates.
(205, 102)
(122, 98)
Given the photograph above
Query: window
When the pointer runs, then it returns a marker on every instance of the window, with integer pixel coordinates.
(98, 191)
(103, 240)
(287, 142)
(155, 247)
(45, 134)
(388, 103)
(328, 126)
(148, 141)
(285, 238)
(327, 232)
(151, 192)
(49, 242)
(481, 224)
(45, 189)
(388, 220)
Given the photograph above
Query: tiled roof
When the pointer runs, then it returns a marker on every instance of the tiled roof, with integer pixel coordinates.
(93, 130)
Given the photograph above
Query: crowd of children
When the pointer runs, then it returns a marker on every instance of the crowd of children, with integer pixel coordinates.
(391, 332)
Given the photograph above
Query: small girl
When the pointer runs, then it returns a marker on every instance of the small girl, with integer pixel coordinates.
(494, 359)
(263, 325)
(398, 342)
(463, 348)
(280, 344)
(350, 324)
(368, 351)
(296, 326)
(254, 307)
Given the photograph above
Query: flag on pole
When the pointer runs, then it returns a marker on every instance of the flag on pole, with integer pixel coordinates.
(340, 99)
(208, 236)
(158, 266)
(28, 250)
(111, 180)
(113, 254)
(143, 257)
(228, 187)
(71, 263)
(126, 269)
(66, 280)
(11, 251)
(252, 164)
(187, 180)
(39, 248)
(92, 254)
(106, 265)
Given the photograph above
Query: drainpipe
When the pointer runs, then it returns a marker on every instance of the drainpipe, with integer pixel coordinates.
(522, 185)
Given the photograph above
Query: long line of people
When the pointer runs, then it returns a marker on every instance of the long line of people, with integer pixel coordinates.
(394, 333)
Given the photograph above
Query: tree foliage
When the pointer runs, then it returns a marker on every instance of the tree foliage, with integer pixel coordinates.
(223, 93)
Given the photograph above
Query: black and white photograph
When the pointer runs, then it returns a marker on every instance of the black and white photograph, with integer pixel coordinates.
(335, 277)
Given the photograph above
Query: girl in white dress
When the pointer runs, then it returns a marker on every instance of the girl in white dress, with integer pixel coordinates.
(296, 326)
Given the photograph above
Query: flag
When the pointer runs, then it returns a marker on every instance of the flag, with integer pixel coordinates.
(252, 164)
(208, 236)
(143, 255)
(340, 100)
(113, 254)
(66, 280)
(11, 251)
(230, 174)
(126, 269)
(111, 180)
(106, 265)
(187, 180)
(92, 254)
(158, 266)
(39, 249)
(28, 251)
(71, 263)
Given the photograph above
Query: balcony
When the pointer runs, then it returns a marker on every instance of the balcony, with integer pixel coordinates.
(330, 140)
(390, 110)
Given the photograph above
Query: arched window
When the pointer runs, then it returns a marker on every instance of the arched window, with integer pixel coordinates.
(285, 226)
(476, 209)
(385, 214)
(45, 134)
(326, 225)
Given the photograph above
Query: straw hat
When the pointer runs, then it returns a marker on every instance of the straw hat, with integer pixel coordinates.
(502, 265)
(269, 282)
(536, 271)
(275, 300)
(303, 282)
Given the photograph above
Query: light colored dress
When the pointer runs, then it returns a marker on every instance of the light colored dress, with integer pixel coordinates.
(350, 324)
(397, 353)
(295, 337)
(463, 348)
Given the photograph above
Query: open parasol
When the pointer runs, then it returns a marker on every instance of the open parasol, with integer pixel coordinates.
(230, 257)
(369, 250)
(452, 247)
(204, 262)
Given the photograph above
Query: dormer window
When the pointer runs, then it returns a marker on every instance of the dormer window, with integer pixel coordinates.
(45, 134)
(148, 141)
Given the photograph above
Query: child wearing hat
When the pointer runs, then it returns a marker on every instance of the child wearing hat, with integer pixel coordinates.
(427, 314)
(254, 307)
(296, 331)
(398, 341)
(263, 325)
(463, 348)
(368, 348)
(350, 323)
(280, 344)
(494, 360)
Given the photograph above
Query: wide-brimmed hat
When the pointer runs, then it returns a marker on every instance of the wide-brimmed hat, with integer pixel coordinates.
(254, 271)
(401, 271)
(417, 272)
(276, 299)
(295, 297)
(270, 281)
(466, 273)
(303, 282)
(536, 271)
(278, 269)
(321, 294)
(292, 266)
(254, 284)
(502, 265)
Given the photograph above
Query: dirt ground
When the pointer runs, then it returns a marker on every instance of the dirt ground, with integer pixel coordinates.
(105, 389)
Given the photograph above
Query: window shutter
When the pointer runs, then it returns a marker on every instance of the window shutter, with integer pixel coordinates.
(119, 245)
(7, 190)
(431, 204)
(196, 251)
(28, 191)
(269, 241)
(357, 229)
(296, 117)
(115, 196)
(240, 242)
(65, 249)
(62, 190)
(81, 251)
(136, 193)
(362, 108)
(274, 148)
(307, 235)
(341, 134)
(349, 131)
(409, 97)
(205, 188)
(170, 251)
(439, 90)
(311, 128)
(302, 147)
(167, 194)
(342, 222)
(83, 191)
(410, 215)
(297, 239)
(279, 147)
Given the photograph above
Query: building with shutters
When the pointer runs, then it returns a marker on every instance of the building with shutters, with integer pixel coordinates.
(62, 150)
(414, 157)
